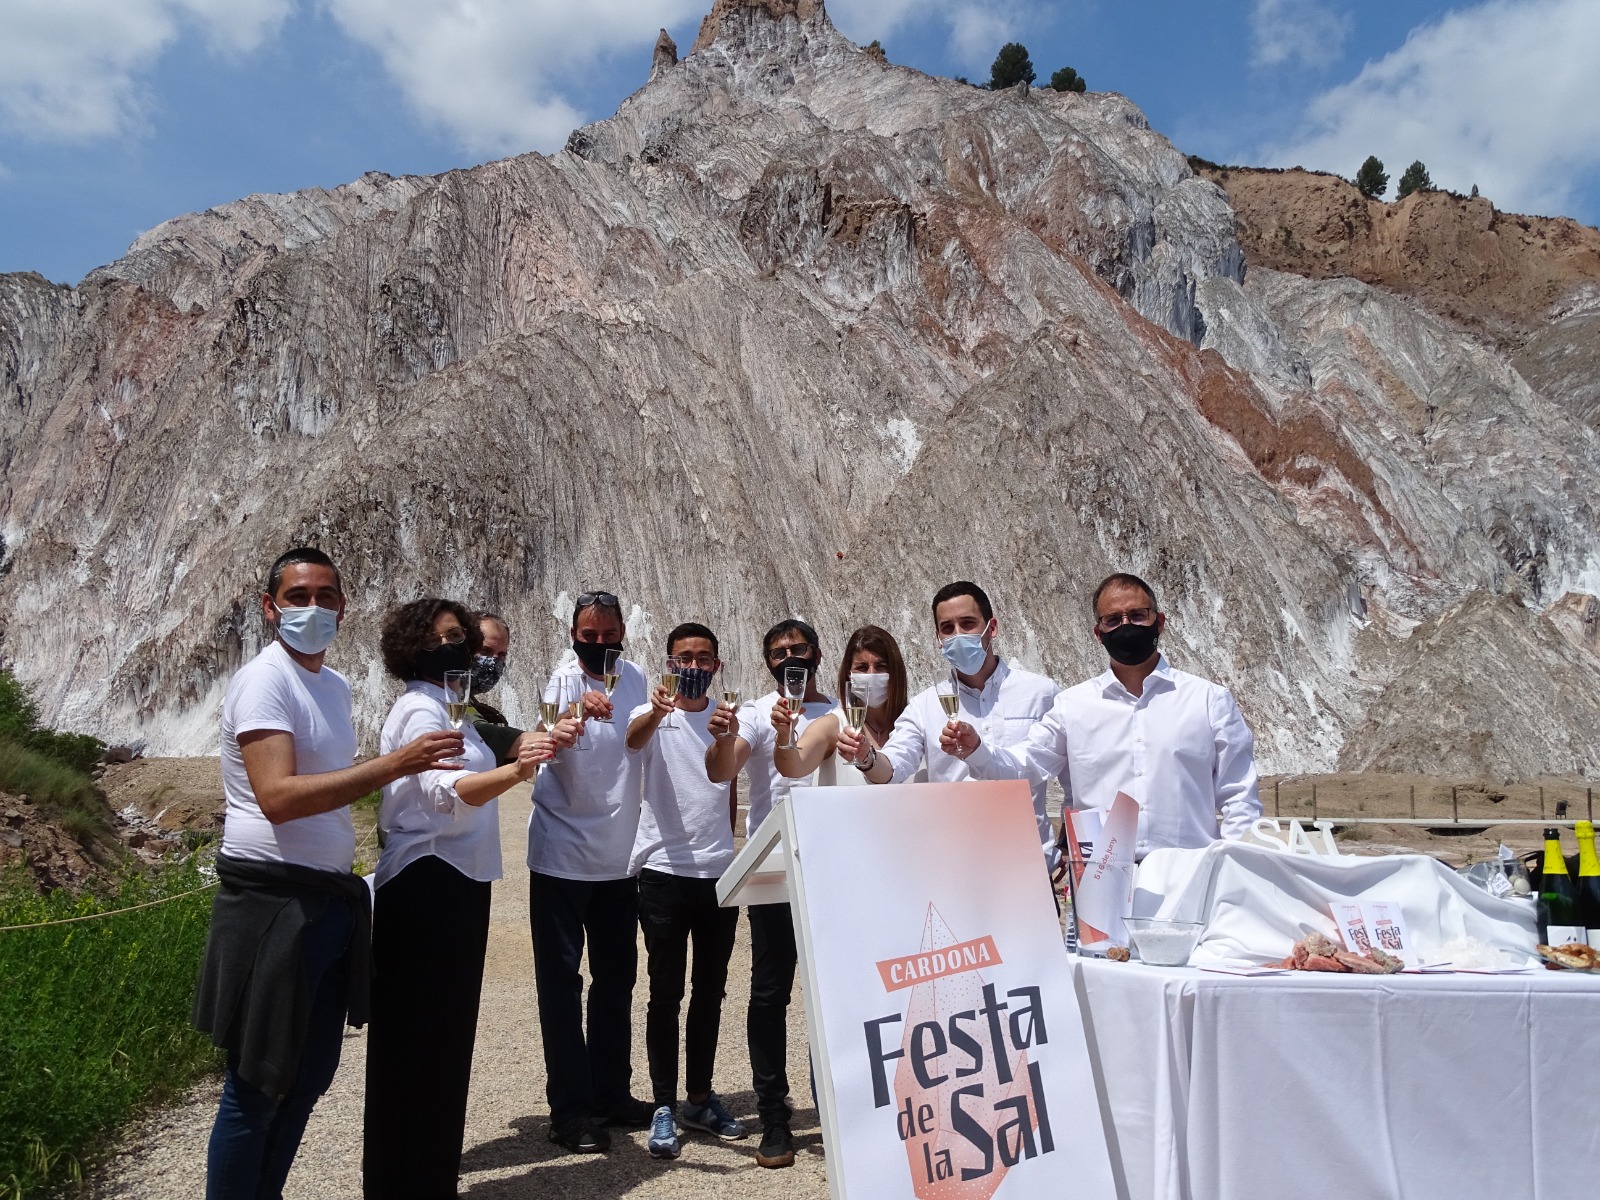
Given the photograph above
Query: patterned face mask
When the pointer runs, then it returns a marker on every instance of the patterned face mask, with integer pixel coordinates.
(693, 682)
(486, 672)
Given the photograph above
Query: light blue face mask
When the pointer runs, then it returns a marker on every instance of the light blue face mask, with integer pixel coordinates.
(309, 630)
(965, 652)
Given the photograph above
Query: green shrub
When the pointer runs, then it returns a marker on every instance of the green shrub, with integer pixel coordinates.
(95, 1022)
(1068, 80)
(19, 722)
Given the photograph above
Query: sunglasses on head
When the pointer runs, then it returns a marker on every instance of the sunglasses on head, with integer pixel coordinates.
(604, 599)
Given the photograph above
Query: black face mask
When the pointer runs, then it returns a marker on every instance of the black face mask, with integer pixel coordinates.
(593, 654)
(452, 656)
(802, 659)
(1131, 644)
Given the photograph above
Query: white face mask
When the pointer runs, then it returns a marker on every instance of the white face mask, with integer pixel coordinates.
(310, 630)
(874, 687)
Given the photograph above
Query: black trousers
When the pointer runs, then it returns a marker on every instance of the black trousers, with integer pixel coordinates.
(429, 932)
(772, 963)
(672, 910)
(585, 1075)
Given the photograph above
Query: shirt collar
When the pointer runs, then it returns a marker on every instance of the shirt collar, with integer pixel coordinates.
(427, 689)
(1111, 686)
(994, 681)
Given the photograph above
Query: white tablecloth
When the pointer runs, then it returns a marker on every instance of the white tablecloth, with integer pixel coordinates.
(1223, 1087)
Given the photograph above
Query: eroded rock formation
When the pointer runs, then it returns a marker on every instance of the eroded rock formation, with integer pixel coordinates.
(794, 332)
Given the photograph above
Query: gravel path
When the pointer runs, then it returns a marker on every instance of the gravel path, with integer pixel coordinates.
(507, 1151)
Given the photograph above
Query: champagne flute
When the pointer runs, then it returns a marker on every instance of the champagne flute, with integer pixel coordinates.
(949, 698)
(549, 713)
(794, 699)
(612, 676)
(730, 689)
(856, 706)
(669, 681)
(574, 690)
(457, 695)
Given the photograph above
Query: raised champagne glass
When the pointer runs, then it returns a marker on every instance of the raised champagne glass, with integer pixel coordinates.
(949, 698)
(612, 676)
(573, 691)
(549, 713)
(457, 695)
(855, 710)
(794, 699)
(669, 683)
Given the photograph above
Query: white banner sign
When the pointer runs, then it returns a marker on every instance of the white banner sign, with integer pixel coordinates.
(950, 1051)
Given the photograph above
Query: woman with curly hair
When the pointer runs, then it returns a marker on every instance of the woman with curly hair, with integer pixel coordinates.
(441, 851)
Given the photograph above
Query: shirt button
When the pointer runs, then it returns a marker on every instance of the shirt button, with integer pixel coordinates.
(1138, 771)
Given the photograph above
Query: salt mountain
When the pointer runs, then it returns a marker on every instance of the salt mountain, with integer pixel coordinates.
(799, 332)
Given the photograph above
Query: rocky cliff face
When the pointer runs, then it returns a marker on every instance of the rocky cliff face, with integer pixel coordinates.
(794, 332)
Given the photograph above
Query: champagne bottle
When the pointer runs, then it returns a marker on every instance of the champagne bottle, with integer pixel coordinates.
(1558, 897)
(1588, 883)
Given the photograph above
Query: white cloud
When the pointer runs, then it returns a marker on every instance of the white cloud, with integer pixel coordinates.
(1309, 32)
(489, 71)
(1505, 95)
(977, 28)
(72, 69)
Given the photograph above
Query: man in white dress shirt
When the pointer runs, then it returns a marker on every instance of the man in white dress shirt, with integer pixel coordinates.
(1174, 742)
(1001, 700)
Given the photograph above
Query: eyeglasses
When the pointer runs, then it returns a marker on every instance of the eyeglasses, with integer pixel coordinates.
(799, 650)
(452, 637)
(604, 599)
(1134, 616)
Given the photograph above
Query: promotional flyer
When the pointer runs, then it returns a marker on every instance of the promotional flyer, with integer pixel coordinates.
(953, 1048)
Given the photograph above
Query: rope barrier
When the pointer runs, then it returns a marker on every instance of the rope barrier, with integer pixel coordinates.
(116, 912)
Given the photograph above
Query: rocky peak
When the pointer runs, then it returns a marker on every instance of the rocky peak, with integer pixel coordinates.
(732, 17)
(666, 55)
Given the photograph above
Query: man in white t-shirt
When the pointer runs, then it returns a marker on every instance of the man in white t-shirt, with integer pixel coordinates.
(1002, 700)
(1175, 742)
(286, 957)
(685, 843)
(747, 739)
(582, 890)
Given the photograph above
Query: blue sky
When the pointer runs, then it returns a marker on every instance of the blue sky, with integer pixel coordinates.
(117, 114)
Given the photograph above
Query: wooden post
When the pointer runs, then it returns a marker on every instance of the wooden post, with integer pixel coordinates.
(1277, 809)
(1455, 812)
(1313, 803)
(1541, 804)
(1413, 802)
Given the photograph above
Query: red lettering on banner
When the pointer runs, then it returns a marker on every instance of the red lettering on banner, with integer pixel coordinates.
(913, 969)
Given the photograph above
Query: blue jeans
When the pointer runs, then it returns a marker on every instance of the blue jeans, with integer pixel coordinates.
(254, 1140)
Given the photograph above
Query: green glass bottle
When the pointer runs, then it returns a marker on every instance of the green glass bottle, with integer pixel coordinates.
(1588, 883)
(1558, 897)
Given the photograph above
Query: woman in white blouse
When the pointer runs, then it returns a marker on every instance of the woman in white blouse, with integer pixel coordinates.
(873, 663)
(441, 851)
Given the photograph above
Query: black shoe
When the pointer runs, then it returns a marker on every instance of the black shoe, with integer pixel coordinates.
(777, 1147)
(634, 1114)
(581, 1137)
